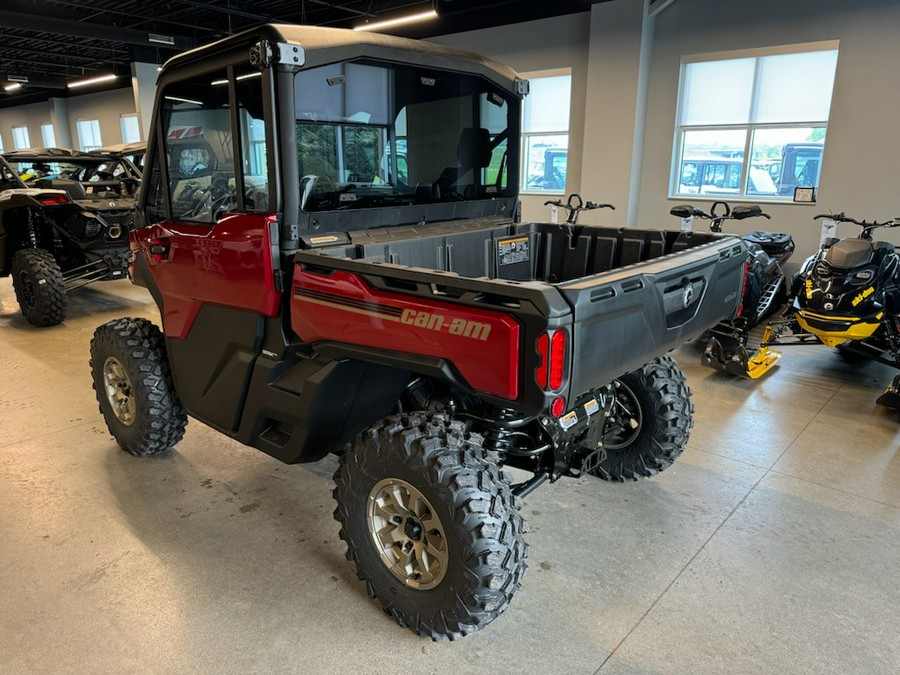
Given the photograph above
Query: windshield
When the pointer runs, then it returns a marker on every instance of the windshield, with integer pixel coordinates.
(391, 135)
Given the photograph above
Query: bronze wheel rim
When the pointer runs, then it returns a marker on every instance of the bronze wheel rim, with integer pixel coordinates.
(119, 393)
(407, 534)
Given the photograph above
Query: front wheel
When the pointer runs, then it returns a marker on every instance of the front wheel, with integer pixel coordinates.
(39, 286)
(431, 523)
(134, 387)
(650, 422)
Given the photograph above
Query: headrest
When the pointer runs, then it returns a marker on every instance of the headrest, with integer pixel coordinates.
(474, 151)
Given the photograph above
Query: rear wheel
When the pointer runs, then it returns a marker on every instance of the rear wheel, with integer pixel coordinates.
(650, 422)
(39, 286)
(134, 387)
(431, 523)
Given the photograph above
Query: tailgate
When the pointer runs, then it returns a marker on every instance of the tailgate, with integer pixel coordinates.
(626, 317)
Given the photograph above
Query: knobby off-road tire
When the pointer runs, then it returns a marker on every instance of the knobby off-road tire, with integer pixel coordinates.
(39, 286)
(468, 516)
(665, 418)
(134, 387)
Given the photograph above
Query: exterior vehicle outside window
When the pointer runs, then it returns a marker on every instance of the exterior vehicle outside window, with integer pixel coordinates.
(545, 132)
(767, 110)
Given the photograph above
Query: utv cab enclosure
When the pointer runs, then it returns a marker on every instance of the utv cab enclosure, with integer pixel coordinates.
(329, 224)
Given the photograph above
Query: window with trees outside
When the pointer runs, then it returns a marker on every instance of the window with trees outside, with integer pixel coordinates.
(545, 132)
(753, 124)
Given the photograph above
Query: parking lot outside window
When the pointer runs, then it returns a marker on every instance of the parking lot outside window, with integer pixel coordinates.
(545, 132)
(753, 123)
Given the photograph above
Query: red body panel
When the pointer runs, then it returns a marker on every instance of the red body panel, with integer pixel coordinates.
(227, 264)
(342, 307)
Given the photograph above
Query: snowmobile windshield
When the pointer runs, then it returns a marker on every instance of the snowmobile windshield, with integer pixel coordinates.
(371, 134)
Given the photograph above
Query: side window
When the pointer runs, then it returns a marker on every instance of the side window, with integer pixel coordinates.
(198, 148)
(254, 158)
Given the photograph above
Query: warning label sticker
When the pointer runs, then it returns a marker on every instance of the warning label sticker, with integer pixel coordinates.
(513, 251)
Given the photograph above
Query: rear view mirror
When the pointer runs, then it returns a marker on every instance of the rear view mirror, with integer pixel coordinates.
(682, 211)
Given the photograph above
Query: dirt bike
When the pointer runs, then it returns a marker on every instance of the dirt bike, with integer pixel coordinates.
(765, 287)
(846, 296)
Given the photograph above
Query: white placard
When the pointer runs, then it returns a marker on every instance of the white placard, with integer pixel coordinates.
(829, 229)
(687, 224)
(554, 214)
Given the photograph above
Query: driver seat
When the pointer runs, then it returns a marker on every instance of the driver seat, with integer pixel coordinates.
(473, 153)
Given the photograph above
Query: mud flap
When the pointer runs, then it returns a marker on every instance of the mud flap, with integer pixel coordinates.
(891, 396)
(739, 362)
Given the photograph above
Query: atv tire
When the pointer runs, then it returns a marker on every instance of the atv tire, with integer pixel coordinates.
(39, 286)
(134, 388)
(658, 402)
(431, 523)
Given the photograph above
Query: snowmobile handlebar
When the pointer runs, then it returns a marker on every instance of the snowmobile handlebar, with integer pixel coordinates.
(866, 226)
(717, 218)
(575, 204)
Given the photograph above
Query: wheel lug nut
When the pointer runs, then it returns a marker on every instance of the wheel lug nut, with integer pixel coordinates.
(408, 546)
(397, 519)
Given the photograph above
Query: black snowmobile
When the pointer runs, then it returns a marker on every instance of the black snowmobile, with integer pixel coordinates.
(765, 287)
(846, 296)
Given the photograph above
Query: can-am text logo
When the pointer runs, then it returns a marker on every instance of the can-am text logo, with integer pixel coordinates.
(438, 322)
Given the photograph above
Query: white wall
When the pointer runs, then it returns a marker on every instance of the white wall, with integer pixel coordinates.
(105, 106)
(31, 116)
(560, 42)
(860, 172)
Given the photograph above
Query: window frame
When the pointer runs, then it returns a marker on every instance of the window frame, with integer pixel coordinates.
(750, 128)
(157, 151)
(136, 117)
(43, 135)
(525, 135)
(81, 147)
(17, 128)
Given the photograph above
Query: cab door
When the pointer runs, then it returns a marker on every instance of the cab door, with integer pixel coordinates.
(208, 248)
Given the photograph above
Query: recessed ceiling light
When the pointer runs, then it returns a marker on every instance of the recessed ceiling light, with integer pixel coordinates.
(395, 22)
(91, 80)
(12, 87)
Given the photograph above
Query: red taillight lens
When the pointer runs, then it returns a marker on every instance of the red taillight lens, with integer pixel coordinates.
(746, 278)
(543, 347)
(558, 407)
(557, 359)
(53, 198)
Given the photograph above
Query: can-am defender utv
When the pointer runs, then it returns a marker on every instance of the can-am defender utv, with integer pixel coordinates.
(316, 299)
(765, 289)
(846, 296)
(51, 244)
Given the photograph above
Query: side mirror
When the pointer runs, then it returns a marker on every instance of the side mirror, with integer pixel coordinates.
(741, 212)
(682, 211)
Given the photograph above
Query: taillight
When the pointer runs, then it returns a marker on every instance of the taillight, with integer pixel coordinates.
(746, 278)
(551, 348)
(543, 347)
(558, 407)
(53, 198)
(557, 358)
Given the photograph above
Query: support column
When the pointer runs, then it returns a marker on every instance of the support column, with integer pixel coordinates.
(59, 118)
(618, 73)
(143, 84)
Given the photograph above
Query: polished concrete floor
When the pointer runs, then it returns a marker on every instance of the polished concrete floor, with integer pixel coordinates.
(772, 545)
